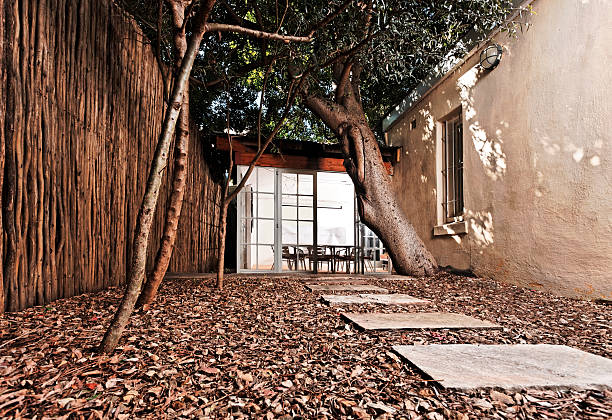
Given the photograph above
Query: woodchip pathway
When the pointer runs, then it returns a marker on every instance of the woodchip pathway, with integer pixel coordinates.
(469, 366)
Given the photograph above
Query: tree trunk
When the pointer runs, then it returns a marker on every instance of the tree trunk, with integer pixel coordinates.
(221, 240)
(179, 176)
(149, 202)
(377, 205)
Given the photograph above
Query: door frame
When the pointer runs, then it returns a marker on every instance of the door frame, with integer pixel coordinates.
(278, 222)
(278, 216)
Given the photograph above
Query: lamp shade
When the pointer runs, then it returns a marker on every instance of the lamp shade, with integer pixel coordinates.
(490, 56)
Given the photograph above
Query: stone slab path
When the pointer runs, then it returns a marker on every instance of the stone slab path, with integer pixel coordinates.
(416, 321)
(336, 281)
(509, 366)
(345, 287)
(385, 299)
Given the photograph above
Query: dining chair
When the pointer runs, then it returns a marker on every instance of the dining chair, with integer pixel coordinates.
(288, 256)
(323, 256)
(345, 256)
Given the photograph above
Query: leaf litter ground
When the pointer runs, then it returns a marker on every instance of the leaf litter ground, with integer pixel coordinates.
(268, 348)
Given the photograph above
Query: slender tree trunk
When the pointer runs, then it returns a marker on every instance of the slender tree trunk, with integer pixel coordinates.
(181, 149)
(378, 207)
(227, 197)
(221, 240)
(149, 202)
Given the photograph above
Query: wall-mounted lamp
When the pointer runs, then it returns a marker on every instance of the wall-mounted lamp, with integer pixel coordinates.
(491, 56)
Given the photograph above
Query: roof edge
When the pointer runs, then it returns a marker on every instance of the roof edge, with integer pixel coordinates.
(432, 81)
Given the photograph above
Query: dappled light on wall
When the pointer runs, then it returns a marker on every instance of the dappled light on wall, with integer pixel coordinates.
(489, 148)
(429, 125)
(481, 226)
(578, 153)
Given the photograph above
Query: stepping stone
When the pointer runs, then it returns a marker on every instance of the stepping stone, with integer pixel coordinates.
(416, 321)
(396, 299)
(336, 281)
(343, 299)
(511, 367)
(344, 287)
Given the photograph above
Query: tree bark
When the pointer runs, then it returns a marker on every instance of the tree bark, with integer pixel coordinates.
(149, 202)
(221, 240)
(9, 187)
(377, 204)
(179, 176)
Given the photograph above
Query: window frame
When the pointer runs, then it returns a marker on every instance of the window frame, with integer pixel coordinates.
(449, 169)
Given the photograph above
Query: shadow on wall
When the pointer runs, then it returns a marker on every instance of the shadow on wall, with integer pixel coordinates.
(481, 226)
(488, 147)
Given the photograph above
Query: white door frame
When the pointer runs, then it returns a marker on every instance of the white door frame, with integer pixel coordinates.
(278, 223)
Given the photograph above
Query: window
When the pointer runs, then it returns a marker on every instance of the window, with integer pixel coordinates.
(452, 169)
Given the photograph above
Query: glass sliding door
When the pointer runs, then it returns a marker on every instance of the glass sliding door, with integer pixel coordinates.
(375, 258)
(293, 220)
(336, 222)
(256, 214)
(297, 198)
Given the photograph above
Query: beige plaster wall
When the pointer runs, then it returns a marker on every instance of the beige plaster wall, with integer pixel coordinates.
(537, 155)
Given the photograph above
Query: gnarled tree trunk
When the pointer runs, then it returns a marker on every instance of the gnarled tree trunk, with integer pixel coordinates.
(181, 150)
(378, 207)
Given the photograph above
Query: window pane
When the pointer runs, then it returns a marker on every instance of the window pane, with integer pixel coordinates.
(335, 209)
(289, 183)
(265, 179)
(459, 168)
(265, 258)
(305, 201)
(289, 235)
(248, 204)
(289, 200)
(248, 257)
(266, 205)
(265, 231)
(289, 212)
(305, 233)
(248, 232)
(305, 213)
(305, 184)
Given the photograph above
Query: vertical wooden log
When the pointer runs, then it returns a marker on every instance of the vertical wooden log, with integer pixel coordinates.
(2, 154)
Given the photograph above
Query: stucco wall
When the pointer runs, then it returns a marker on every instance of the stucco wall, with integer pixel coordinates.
(537, 155)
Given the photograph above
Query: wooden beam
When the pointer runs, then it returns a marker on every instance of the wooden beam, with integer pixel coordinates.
(237, 145)
(291, 161)
(297, 162)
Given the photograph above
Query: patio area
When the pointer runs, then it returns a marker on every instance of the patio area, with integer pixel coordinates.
(269, 348)
(298, 213)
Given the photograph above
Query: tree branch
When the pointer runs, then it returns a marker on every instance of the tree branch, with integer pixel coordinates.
(260, 152)
(342, 80)
(261, 99)
(162, 67)
(258, 16)
(240, 71)
(356, 81)
(329, 17)
(222, 27)
(331, 113)
(349, 52)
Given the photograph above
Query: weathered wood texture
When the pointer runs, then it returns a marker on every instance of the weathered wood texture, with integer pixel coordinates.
(80, 111)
